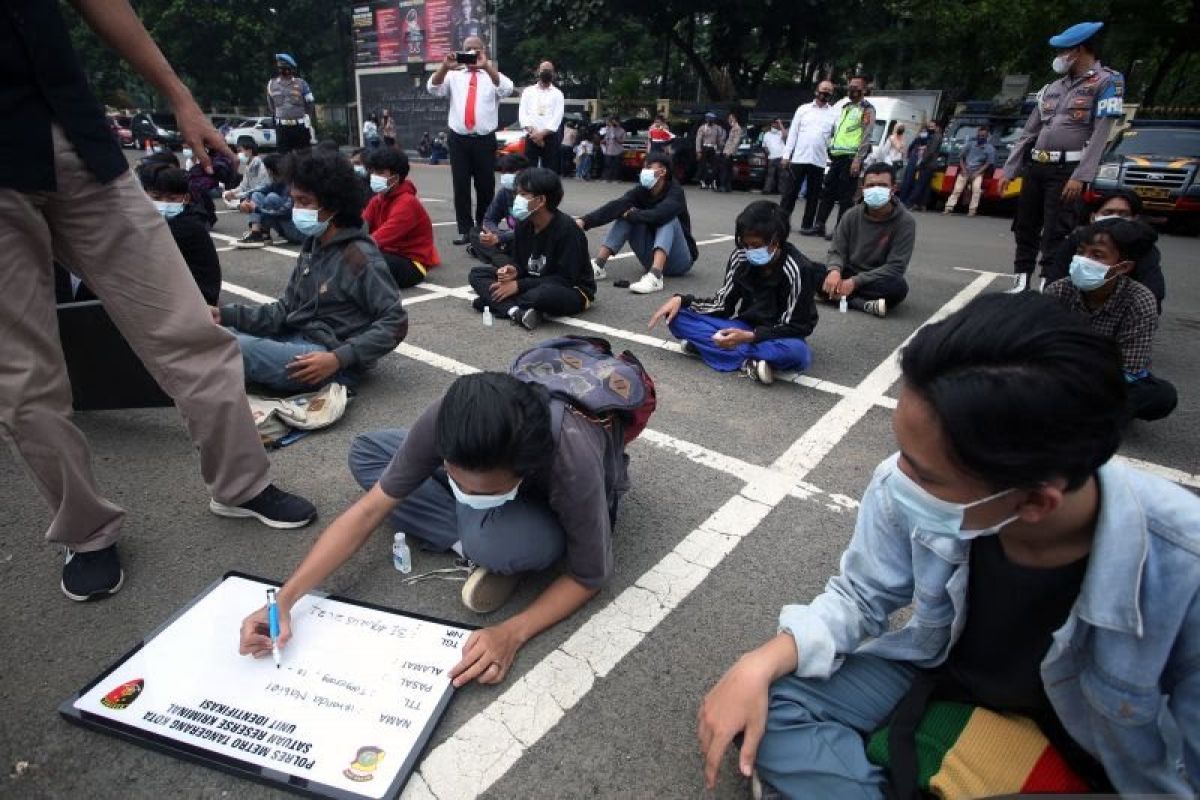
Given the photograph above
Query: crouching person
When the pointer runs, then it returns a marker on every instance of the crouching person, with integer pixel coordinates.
(341, 310)
(759, 318)
(548, 271)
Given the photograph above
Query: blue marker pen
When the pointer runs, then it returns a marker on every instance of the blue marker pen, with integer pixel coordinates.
(273, 621)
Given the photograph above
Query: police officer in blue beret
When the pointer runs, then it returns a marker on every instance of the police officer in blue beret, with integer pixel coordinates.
(290, 99)
(1059, 151)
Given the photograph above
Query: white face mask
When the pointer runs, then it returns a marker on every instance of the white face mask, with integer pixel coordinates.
(877, 196)
(168, 210)
(243, 159)
(379, 184)
(647, 178)
(934, 515)
(482, 502)
(1061, 64)
(508, 180)
(1102, 217)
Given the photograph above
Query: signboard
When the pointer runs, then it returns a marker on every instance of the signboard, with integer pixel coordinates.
(394, 32)
(358, 693)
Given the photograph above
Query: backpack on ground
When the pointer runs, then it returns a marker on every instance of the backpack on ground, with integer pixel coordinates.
(583, 371)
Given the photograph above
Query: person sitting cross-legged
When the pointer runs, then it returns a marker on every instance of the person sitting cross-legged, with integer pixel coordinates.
(396, 219)
(548, 271)
(758, 320)
(167, 186)
(871, 248)
(270, 209)
(491, 242)
(341, 310)
(653, 219)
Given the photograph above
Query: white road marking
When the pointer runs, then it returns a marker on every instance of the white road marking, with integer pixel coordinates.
(225, 249)
(1176, 475)
(279, 251)
(444, 224)
(714, 240)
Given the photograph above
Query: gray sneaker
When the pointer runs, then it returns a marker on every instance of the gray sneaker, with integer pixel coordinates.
(876, 307)
(486, 591)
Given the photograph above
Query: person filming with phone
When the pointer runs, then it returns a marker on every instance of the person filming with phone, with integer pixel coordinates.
(475, 88)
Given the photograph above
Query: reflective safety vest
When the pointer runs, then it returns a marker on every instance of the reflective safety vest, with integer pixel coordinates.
(848, 134)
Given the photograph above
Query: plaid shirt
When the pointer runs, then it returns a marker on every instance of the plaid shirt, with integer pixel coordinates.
(1130, 315)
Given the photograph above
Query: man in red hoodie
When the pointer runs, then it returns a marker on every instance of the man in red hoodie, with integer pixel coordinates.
(396, 219)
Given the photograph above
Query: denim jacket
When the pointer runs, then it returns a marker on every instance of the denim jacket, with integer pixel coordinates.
(1123, 672)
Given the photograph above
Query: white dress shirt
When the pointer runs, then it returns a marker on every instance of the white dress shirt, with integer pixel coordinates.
(487, 99)
(808, 138)
(541, 108)
(775, 144)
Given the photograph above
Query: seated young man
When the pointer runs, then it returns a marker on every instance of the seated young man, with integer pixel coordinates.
(255, 177)
(1045, 579)
(499, 471)
(398, 222)
(653, 219)
(270, 209)
(1147, 269)
(167, 186)
(1099, 288)
(341, 310)
(548, 271)
(871, 248)
(758, 319)
(358, 161)
(491, 243)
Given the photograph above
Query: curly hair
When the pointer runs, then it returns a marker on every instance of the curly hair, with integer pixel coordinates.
(387, 158)
(331, 178)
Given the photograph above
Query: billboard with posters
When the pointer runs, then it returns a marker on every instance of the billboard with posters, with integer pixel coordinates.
(394, 32)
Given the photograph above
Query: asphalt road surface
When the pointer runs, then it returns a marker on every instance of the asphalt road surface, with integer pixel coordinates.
(743, 497)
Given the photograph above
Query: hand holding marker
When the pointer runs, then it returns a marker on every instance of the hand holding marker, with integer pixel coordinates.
(273, 623)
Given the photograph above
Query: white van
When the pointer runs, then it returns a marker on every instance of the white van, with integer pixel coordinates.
(888, 112)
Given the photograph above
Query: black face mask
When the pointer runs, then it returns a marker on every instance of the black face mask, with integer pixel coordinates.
(546, 76)
(824, 96)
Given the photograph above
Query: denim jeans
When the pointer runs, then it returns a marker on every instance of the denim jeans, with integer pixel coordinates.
(265, 359)
(644, 240)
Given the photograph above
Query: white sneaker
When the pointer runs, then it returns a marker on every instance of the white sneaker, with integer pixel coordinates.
(598, 272)
(646, 284)
(1020, 282)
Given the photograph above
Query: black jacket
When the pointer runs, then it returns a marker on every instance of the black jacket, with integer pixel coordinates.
(649, 209)
(190, 229)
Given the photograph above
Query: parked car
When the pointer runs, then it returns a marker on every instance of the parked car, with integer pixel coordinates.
(1006, 126)
(750, 160)
(158, 127)
(254, 130)
(1160, 161)
(120, 132)
(510, 139)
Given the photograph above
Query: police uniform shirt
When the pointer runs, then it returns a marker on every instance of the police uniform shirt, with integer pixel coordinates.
(1073, 114)
(290, 97)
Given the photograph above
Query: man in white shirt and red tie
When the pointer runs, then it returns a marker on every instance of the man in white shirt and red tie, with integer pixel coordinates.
(475, 91)
(541, 116)
(807, 150)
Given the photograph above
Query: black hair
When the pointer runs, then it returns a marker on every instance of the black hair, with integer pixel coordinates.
(512, 162)
(1025, 391)
(983, 127)
(1128, 195)
(249, 144)
(163, 177)
(388, 158)
(328, 144)
(161, 157)
(1132, 238)
(765, 219)
(658, 158)
(274, 163)
(490, 420)
(331, 178)
(544, 182)
(881, 168)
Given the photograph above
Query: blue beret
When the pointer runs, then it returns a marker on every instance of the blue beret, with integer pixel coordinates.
(1076, 34)
(284, 58)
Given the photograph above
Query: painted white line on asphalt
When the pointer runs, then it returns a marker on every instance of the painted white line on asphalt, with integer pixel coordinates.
(225, 249)
(444, 224)
(714, 240)
(279, 251)
(1176, 475)
(984, 272)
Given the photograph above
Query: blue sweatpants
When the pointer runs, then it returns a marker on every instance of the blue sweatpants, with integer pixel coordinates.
(782, 354)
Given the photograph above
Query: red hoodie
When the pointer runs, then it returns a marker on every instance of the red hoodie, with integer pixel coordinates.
(400, 225)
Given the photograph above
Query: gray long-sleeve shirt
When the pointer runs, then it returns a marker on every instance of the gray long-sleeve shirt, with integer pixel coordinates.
(868, 249)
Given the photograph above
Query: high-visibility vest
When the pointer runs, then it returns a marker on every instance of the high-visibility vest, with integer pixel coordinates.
(848, 134)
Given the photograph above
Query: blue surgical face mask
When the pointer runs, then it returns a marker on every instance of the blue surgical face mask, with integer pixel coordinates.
(482, 502)
(877, 196)
(932, 514)
(168, 210)
(305, 220)
(1087, 273)
(243, 159)
(647, 178)
(379, 184)
(521, 209)
(759, 256)
(360, 170)
(508, 180)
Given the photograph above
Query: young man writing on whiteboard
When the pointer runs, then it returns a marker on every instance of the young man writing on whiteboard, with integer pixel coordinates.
(500, 472)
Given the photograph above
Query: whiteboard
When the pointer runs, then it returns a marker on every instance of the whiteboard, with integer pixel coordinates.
(358, 695)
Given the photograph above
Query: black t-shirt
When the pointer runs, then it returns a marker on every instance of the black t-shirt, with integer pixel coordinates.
(198, 250)
(556, 253)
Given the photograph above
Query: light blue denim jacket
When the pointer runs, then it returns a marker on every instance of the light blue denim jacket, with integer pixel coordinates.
(1123, 672)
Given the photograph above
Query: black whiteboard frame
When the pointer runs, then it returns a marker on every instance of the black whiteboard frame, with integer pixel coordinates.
(236, 766)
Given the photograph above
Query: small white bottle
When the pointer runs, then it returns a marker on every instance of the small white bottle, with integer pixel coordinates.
(401, 555)
(843, 305)
(487, 316)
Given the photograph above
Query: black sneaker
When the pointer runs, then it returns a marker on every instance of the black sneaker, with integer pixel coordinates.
(87, 576)
(272, 507)
(529, 319)
(461, 240)
(253, 239)
(478, 303)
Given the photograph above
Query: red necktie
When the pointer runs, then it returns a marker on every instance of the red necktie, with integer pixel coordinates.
(472, 91)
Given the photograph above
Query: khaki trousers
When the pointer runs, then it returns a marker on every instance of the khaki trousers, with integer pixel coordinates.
(112, 237)
(960, 183)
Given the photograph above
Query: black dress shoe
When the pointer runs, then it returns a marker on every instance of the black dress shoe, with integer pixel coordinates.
(461, 240)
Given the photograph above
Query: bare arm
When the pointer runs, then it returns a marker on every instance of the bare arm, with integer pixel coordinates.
(116, 23)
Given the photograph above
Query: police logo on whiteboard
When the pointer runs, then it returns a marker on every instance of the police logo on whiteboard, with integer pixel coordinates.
(123, 696)
(364, 765)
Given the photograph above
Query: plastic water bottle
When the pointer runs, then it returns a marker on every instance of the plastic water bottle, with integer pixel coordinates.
(487, 316)
(843, 305)
(401, 555)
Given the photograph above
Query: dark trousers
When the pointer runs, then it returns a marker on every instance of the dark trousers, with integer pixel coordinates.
(708, 166)
(726, 166)
(404, 271)
(292, 137)
(549, 297)
(838, 188)
(612, 168)
(1042, 221)
(472, 159)
(809, 176)
(914, 193)
(772, 182)
(1151, 398)
(497, 256)
(893, 289)
(546, 155)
